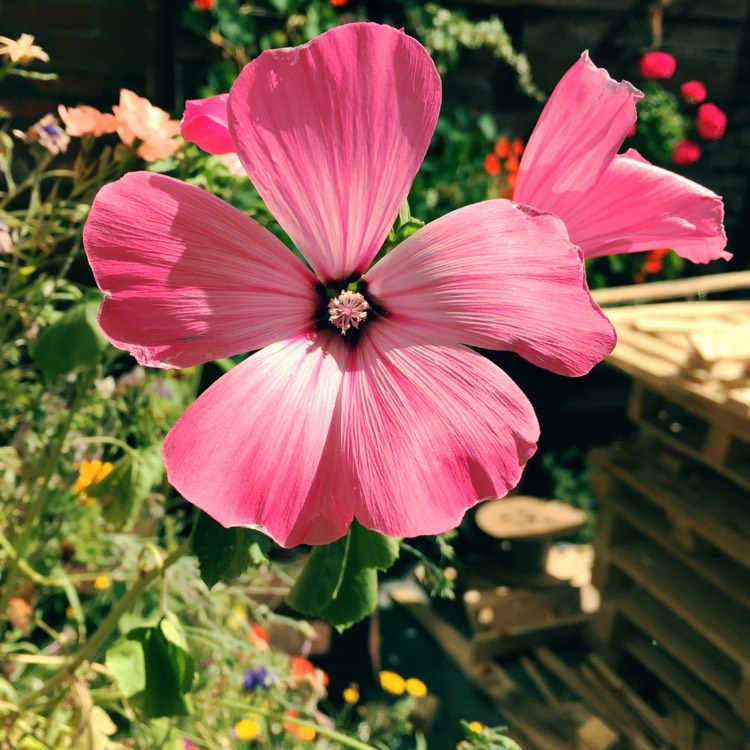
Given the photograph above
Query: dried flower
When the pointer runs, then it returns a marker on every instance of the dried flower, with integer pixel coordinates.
(47, 133)
(22, 50)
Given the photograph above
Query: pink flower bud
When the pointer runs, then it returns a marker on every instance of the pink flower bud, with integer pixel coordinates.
(657, 65)
(710, 122)
(686, 152)
(693, 92)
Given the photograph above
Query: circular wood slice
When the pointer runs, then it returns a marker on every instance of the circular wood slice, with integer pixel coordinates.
(528, 518)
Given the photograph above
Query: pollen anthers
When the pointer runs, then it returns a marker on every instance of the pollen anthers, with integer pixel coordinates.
(347, 310)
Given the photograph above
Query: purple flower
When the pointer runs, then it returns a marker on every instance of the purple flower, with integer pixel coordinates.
(252, 679)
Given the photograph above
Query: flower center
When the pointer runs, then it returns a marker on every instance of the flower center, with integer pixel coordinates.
(347, 310)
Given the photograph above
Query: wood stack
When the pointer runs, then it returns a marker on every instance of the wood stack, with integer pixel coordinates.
(673, 538)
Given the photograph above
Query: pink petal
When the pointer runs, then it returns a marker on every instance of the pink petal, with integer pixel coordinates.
(578, 134)
(205, 123)
(332, 134)
(187, 278)
(430, 430)
(255, 448)
(500, 276)
(637, 206)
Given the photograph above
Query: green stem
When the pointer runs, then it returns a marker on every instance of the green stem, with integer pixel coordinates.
(102, 633)
(332, 734)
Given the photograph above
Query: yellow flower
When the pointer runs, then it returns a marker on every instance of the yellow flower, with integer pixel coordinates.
(475, 726)
(70, 612)
(21, 50)
(351, 694)
(101, 583)
(415, 687)
(247, 729)
(90, 472)
(392, 683)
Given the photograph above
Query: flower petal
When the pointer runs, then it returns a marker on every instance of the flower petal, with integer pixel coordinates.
(637, 206)
(205, 123)
(500, 276)
(578, 134)
(430, 430)
(187, 278)
(332, 135)
(248, 451)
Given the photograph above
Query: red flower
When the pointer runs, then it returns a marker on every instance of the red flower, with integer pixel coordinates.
(204, 4)
(710, 122)
(303, 668)
(657, 65)
(491, 164)
(686, 152)
(693, 92)
(338, 3)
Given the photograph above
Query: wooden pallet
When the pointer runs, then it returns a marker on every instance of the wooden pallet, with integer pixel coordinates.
(675, 569)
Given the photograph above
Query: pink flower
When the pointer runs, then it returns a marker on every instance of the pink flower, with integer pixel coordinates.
(612, 203)
(140, 120)
(657, 65)
(693, 92)
(365, 400)
(686, 152)
(710, 122)
(85, 120)
(205, 123)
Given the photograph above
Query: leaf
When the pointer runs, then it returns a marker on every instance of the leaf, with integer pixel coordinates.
(71, 342)
(127, 663)
(340, 582)
(153, 668)
(122, 492)
(224, 554)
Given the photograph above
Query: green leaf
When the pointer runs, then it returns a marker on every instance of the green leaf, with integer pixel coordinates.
(122, 492)
(224, 554)
(153, 668)
(340, 582)
(127, 663)
(71, 342)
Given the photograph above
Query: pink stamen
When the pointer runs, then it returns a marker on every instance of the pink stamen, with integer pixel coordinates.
(347, 310)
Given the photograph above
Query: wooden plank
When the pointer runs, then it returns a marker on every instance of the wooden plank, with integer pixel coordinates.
(721, 570)
(676, 638)
(672, 289)
(684, 685)
(709, 613)
(716, 511)
(596, 700)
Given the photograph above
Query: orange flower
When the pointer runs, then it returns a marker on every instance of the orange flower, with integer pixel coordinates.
(303, 669)
(84, 120)
(258, 637)
(518, 146)
(90, 472)
(138, 119)
(491, 165)
(304, 733)
(204, 4)
(339, 3)
(502, 147)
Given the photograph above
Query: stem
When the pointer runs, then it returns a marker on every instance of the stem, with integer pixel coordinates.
(332, 734)
(99, 638)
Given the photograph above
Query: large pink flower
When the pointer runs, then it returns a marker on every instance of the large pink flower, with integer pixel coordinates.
(612, 203)
(364, 400)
